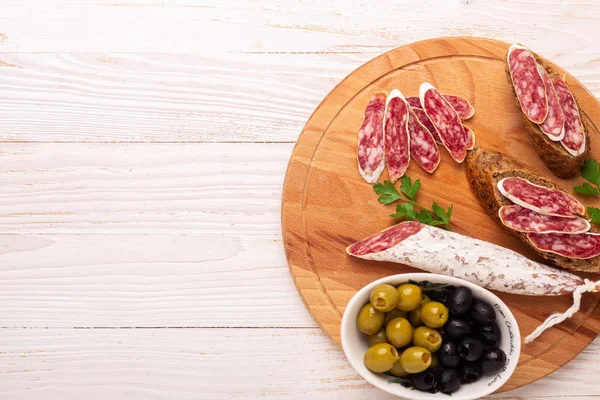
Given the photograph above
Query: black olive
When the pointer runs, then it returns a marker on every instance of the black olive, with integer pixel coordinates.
(482, 312)
(493, 360)
(448, 380)
(457, 328)
(424, 381)
(471, 372)
(490, 334)
(440, 296)
(459, 301)
(448, 355)
(470, 349)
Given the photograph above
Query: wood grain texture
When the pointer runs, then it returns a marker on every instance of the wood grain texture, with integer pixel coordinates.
(48, 364)
(327, 206)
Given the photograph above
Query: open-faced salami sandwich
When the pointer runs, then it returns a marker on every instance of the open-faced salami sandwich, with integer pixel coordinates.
(534, 209)
(549, 110)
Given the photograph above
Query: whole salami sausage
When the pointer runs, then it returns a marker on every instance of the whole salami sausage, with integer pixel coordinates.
(541, 199)
(522, 219)
(397, 139)
(574, 139)
(528, 84)
(370, 152)
(449, 253)
(554, 125)
(422, 146)
(445, 120)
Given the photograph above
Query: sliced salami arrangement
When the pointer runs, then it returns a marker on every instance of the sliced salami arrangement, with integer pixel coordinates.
(396, 129)
(550, 112)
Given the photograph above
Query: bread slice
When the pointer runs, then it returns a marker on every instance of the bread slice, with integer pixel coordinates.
(553, 154)
(484, 169)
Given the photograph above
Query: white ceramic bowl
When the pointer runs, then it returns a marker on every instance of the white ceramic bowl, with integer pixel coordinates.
(354, 342)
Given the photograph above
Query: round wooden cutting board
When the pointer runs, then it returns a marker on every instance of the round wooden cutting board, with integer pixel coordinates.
(327, 205)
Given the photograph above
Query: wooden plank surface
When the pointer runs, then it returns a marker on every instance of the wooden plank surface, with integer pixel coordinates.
(100, 230)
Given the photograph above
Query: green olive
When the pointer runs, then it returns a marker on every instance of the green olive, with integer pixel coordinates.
(394, 314)
(410, 297)
(435, 362)
(427, 338)
(399, 332)
(381, 357)
(425, 300)
(434, 314)
(384, 297)
(370, 320)
(377, 338)
(397, 370)
(415, 359)
(415, 317)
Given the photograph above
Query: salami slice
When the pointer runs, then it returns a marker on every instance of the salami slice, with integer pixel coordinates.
(422, 146)
(445, 120)
(370, 153)
(424, 119)
(471, 138)
(539, 198)
(463, 108)
(485, 264)
(574, 140)
(554, 125)
(397, 139)
(528, 84)
(522, 219)
(580, 246)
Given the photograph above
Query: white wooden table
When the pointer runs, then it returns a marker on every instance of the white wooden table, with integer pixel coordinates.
(144, 145)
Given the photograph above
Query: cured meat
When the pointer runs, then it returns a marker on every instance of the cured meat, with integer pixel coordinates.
(541, 199)
(485, 264)
(525, 220)
(445, 120)
(580, 246)
(574, 139)
(554, 125)
(471, 138)
(463, 108)
(370, 153)
(397, 139)
(527, 82)
(424, 119)
(422, 146)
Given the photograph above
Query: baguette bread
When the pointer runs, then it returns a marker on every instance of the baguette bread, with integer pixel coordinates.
(485, 168)
(553, 154)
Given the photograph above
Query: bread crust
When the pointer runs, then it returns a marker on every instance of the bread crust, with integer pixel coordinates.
(553, 154)
(484, 169)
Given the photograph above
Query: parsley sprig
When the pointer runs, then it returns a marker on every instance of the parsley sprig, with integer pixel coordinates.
(591, 173)
(409, 209)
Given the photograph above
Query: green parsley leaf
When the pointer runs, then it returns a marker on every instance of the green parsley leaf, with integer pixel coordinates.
(408, 188)
(586, 188)
(387, 192)
(594, 214)
(406, 211)
(591, 171)
(441, 213)
(425, 217)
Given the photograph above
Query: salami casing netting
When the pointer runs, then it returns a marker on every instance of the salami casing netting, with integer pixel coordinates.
(554, 125)
(445, 120)
(449, 253)
(370, 153)
(580, 246)
(397, 139)
(539, 198)
(522, 219)
(574, 139)
(423, 148)
(527, 82)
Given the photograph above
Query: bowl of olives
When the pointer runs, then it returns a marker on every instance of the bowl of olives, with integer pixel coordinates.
(427, 336)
